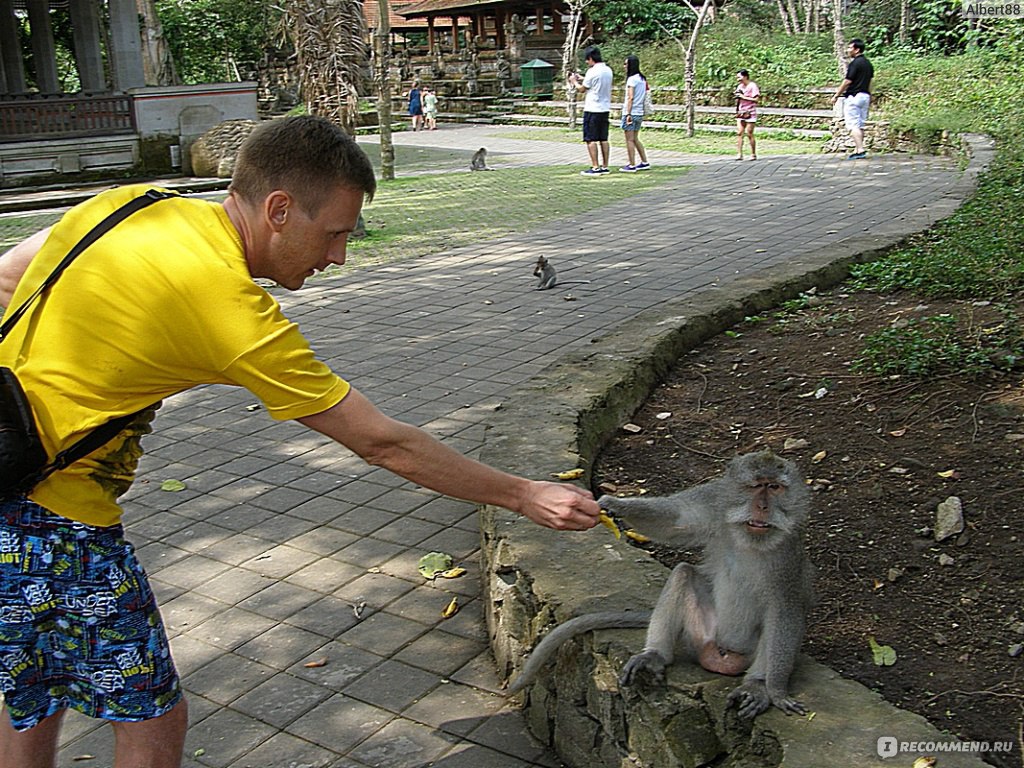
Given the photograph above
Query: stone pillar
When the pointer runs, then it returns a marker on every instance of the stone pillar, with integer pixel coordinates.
(85, 29)
(455, 34)
(10, 50)
(44, 54)
(125, 45)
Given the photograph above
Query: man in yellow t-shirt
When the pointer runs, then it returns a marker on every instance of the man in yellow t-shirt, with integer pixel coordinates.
(165, 301)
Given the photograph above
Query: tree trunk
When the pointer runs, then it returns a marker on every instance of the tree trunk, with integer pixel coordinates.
(157, 62)
(787, 28)
(838, 41)
(382, 72)
(904, 20)
(794, 17)
(573, 42)
(691, 67)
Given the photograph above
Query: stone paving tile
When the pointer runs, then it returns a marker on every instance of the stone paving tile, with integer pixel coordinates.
(231, 628)
(403, 744)
(227, 677)
(344, 663)
(283, 750)
(280, 600)
(383, 633)
(340, 723)
(469, 755)
(455, 708)
(281, 700)
(225, 736)
(281, 646)
(440, 653)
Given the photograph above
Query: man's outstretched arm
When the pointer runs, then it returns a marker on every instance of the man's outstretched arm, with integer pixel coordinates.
(415, 455)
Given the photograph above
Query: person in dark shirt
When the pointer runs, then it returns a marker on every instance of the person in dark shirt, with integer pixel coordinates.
(856, 87)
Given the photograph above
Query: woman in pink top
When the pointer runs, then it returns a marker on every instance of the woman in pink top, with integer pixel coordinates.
(747, 93)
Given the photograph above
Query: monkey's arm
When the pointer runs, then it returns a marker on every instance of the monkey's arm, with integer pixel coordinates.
(415, 455)
(15, 261)
(671, 519)
(570, 629)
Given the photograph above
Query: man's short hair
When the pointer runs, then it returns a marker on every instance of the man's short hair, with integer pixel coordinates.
(858, 44)
(308, 157)
(594, 54)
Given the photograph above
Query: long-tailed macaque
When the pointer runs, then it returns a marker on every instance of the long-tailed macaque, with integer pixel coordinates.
(744, 607)
(548, 276)
(479, 161)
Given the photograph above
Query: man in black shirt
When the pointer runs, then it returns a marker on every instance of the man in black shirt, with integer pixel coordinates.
(856, 87)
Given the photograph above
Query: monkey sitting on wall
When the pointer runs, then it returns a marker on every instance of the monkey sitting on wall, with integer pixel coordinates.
(744, 608)
(479, 161)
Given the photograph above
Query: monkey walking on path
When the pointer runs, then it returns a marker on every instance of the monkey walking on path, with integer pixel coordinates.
(744, 608)
(548, 276)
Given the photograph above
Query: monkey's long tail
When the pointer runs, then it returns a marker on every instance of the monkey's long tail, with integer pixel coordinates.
(577, 626)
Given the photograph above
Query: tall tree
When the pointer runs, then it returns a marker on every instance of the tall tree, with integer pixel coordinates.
(574, 40)
(157, 62)
(329, 37)
(690, 58)
(382, 76)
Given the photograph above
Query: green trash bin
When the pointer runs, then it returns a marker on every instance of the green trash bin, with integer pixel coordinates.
(537, 78)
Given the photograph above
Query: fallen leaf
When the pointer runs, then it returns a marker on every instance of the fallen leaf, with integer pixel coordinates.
(638, 537)
(454, 573)
(172, 485)
(451, 609)
(571, 474)
(819, 457)
(925, 762)
(882, 655)
(878, 584)
(199, 752)
(634, 429)
(608, 523)
(948, 474)
(434, 563)
(899, 432)
(663, 415)
(322, 662)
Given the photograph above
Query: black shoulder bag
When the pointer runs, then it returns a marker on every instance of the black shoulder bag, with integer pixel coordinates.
(23, 460)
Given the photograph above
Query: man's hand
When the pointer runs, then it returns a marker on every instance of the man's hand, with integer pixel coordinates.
(562, 507)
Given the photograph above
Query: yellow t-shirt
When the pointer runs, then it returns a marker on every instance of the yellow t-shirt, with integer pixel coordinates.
(160, 303)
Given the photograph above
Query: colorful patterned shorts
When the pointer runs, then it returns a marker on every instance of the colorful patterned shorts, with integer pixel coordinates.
(79, 626)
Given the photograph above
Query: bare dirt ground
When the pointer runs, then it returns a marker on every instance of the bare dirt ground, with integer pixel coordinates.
(881, 453)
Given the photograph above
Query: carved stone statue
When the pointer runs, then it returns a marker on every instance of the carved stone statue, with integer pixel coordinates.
(515, 34)
(503, 71)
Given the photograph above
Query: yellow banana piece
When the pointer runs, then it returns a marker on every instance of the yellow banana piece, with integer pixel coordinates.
(608, 523)
(571, 474)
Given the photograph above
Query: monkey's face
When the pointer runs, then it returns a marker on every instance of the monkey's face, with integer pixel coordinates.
(771, 500)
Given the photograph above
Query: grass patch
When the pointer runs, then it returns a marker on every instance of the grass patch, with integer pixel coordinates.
(425, 215)
(703, 143)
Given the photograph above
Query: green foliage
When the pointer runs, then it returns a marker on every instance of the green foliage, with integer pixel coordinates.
(640, 20)
(205, 36)
(940, 344)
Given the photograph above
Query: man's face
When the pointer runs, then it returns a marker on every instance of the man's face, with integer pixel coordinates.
(851, 51)
(303, 245)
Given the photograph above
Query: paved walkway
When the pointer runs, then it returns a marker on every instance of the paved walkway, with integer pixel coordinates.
(282, 538)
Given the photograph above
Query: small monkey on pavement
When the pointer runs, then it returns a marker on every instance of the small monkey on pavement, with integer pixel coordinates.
(548, 276)
(743, 609)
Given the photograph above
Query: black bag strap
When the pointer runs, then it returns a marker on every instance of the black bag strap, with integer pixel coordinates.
(106, 431)
(136, 204)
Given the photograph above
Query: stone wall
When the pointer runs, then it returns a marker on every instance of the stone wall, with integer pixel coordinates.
(881, 136)
(534, 580)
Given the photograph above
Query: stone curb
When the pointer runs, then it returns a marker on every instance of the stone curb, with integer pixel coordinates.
(534, 580)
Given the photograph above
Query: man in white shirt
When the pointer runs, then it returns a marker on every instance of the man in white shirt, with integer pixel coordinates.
(597, 85)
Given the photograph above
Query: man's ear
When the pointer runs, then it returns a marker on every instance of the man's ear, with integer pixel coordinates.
(276, 207)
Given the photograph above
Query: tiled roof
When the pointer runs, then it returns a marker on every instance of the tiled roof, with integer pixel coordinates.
(428, 7)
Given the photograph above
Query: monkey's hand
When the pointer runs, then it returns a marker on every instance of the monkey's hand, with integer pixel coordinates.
(560, 506)
(753, 697)
(648, 664)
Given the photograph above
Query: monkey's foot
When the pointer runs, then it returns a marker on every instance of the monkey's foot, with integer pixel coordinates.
(715, 659)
